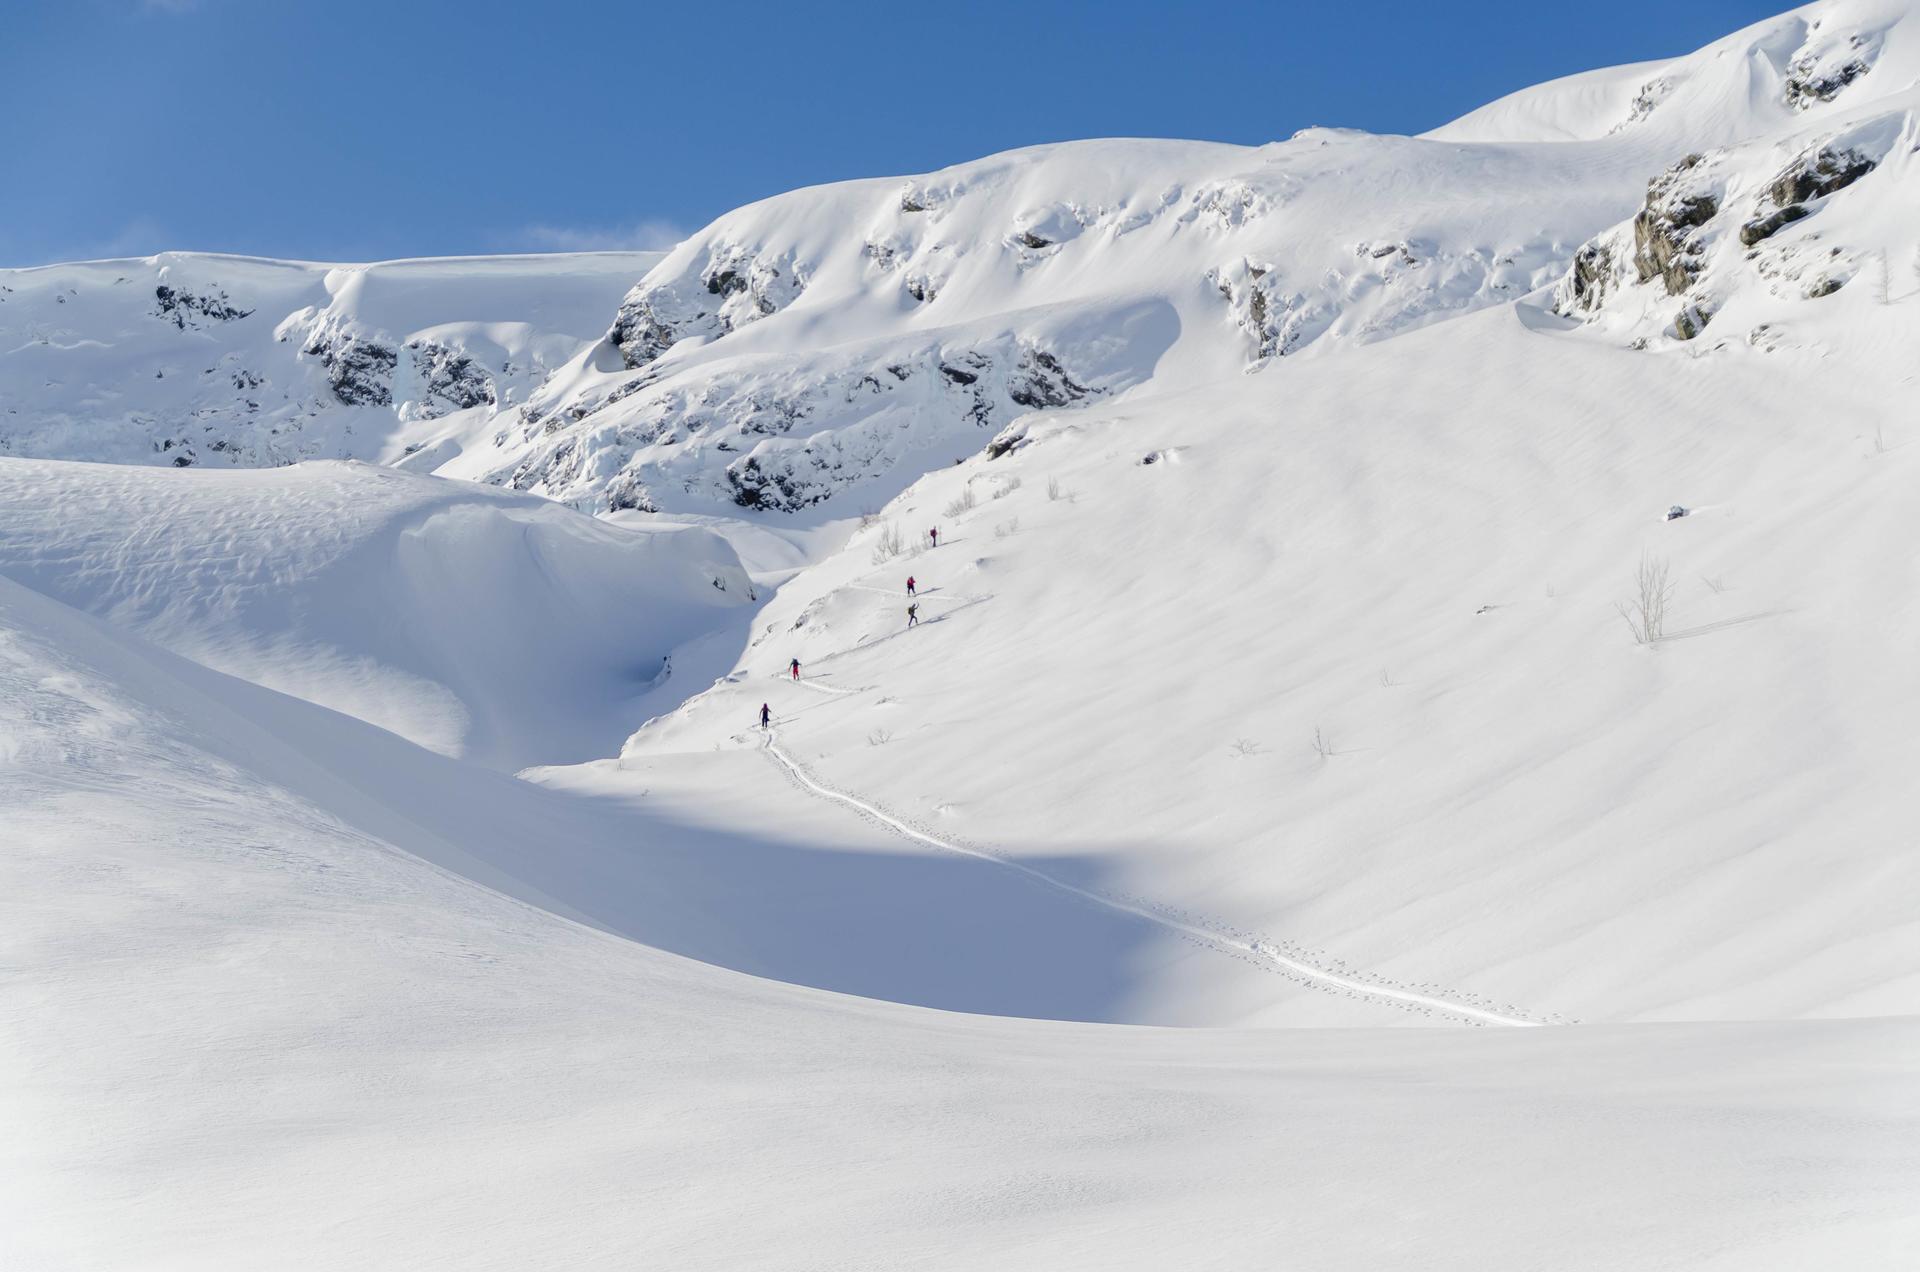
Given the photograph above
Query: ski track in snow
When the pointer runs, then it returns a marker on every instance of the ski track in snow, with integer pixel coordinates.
(1259, 949)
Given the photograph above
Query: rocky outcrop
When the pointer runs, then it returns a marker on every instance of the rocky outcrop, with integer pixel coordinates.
(764, 438)
(1762, 228)
(1819, 75)
(1818, 173)
(359, 368)
(1679, 201)
(1589, 279)
(186, 310)
(733, 288)
(449, 380)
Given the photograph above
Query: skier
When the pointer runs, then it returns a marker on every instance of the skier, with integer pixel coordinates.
(913, 614)
(795, 667)
(934, 534)
(766, 715)
(909, 585)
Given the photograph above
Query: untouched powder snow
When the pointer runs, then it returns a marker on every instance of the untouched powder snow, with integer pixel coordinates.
(469, 620)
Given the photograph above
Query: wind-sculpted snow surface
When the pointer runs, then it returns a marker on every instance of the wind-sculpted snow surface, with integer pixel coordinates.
(235, 999)
(469, 620)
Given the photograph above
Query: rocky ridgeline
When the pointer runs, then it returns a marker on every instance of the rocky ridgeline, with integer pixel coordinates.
(1716, 225)
(774, 439)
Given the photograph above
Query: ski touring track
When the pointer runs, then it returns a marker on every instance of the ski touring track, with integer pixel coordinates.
(1259, 950)
(1285, 957)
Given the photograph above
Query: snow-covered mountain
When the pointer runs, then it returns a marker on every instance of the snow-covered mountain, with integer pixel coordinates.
(819, 350)
(1434, 611)
(190, 359)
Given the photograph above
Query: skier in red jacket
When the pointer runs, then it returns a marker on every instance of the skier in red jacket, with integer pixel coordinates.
(795, 666)
(909, 585)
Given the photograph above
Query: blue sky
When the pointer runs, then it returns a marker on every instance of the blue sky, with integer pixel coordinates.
(361, 129)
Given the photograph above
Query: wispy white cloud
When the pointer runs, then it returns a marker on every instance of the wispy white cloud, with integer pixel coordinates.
(642, 236)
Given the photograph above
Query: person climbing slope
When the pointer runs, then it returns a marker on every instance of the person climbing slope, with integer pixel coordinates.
(934, 535)
(913, 614)
(795, 667)
(909, 585)
(766, 715)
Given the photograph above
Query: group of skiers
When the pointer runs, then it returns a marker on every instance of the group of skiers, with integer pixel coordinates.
(913, 620)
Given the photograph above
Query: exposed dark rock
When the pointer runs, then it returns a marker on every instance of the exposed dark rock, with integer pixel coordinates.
(654, 318)
(1766, 227)
(1664, 246)
(359, 370)
(956, 375)
(1818, 173)
(1039, 381)
(1808, 83)
(454, 381)
(1591, 275)
(1691, 321)
(184, 309)
(1028, 239)
(1825, 287)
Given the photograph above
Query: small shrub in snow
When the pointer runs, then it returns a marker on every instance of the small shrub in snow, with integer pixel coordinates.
(1055, 491)
(1646, 613)
(888, 545)
(879, 737)
(1322, 744)
(1006, 528)
(965, 503)
(1245, 746)
(869, 518)
(1006, 488)
(1716, 586)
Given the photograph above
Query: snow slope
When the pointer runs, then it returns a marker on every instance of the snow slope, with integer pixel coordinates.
(190, 358)
(254, 1033)
(1271, 682)
(472, 621)
(1522, 803)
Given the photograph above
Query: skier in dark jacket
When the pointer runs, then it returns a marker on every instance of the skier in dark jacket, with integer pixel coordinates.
(766, 715)
(795, 666)
(934, 534)
(913, 614)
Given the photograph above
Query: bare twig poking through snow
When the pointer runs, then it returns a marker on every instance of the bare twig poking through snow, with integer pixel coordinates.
(1006, 528)
(965, 503)
(1646, 613)
(888, 545)
(868, 518)
(879, 737)
(1322, 744)
(1006, 488)
(1717, 586)
(1244, 746)
(1386, 679)
(1055, 491)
